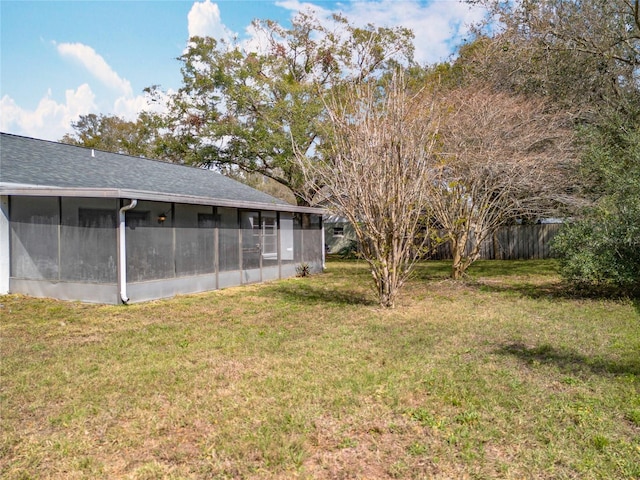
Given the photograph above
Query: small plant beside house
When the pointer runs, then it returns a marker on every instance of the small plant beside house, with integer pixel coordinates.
(303, 270)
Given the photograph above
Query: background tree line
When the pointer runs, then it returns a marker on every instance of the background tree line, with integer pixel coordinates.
(537, 116)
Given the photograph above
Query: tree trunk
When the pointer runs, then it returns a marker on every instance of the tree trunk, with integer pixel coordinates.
(386, 285)
(458, 245)
(387, 294)
(386, 300)
(457, 271)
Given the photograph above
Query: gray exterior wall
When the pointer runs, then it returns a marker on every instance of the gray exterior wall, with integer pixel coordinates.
(339, 236)
(67, 247)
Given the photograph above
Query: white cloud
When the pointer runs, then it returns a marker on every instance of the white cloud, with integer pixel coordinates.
(130, 107)
(204, 21)
(50, 120)
(96, 65)
(438, 26)
(297, 6)
(257, 40)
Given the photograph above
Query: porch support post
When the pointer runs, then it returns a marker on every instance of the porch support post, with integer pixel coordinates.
(5, 250)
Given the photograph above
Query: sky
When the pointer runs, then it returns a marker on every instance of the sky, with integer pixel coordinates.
(63, 59)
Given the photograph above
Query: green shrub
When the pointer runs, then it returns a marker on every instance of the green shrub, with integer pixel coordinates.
(602, 251)
(602, 248)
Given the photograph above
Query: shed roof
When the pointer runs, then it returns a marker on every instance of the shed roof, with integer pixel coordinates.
(30, 166)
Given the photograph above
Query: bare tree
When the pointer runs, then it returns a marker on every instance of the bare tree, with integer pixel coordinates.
(500, 158)
(376, 175)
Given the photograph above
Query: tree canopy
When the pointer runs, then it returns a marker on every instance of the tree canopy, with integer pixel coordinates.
(111, 133)
(249, 108)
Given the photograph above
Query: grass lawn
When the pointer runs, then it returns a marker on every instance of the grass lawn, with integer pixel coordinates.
(503, 375)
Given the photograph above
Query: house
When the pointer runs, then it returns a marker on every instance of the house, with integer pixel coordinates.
(82, 224)
(340, 237)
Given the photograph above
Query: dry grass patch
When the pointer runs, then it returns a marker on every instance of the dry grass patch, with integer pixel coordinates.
(503, 375)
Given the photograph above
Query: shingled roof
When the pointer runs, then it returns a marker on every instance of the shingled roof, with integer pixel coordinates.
(30, 166)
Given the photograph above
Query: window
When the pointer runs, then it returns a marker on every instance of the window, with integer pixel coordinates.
(338, 231)
(206, 220)
(269, 238)
(137, 219)
(96, 217)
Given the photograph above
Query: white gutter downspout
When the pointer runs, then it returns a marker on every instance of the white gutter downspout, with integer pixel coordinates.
(324, 249)
(122, 252)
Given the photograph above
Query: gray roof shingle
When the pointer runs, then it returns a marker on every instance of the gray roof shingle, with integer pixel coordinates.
(33, 162)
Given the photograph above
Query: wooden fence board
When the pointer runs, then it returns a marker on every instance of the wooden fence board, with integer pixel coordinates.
(515, 242)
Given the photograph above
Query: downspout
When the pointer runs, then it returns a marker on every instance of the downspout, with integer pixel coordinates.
(324, 248)
(122, 252)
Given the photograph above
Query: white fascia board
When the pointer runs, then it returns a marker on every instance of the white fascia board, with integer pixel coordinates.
(47, 191)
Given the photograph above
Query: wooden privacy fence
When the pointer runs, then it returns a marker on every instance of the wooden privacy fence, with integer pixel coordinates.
(516, 242)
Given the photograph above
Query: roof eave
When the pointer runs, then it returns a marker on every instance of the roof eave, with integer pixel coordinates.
(49, 191)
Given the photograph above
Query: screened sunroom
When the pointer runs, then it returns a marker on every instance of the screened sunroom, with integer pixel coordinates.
(101, 227)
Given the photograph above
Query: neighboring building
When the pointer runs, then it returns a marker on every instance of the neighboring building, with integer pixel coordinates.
(101, 227)
(339, 236)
